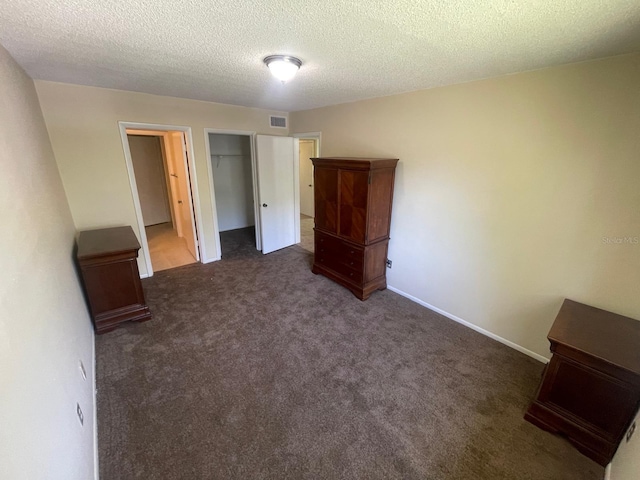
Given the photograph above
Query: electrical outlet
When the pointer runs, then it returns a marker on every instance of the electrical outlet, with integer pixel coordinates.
(80, 415)
(83, 372)
(389, 262)
(632, 429)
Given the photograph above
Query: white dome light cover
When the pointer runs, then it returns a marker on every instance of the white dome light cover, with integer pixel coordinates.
(283, 67)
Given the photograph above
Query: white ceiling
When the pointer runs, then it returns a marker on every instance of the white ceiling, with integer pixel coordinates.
(213, 49)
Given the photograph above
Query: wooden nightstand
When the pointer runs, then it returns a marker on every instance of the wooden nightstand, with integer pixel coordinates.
(107, 260)
(590, 390)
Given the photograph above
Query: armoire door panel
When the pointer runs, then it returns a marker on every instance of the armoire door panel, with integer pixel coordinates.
(354, 191)
(326, 199)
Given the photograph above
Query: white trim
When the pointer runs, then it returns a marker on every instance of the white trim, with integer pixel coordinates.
(193, 187)
(607, 472)
(256, 194)
(314, 135)
(189, 164)
(478, 329)
(256, 210)
(144, 275)
(317, 136)
(96, 459)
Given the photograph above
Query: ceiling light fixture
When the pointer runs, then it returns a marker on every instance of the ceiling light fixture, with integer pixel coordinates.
(283, 67)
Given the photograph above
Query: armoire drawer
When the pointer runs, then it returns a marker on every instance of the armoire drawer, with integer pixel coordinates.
(341, 251)
(331, 262)
(326, 243)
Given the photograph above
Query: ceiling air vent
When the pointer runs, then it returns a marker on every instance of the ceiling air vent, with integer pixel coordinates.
(277, 122)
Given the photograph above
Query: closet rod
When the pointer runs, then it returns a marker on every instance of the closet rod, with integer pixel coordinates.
(219, 157)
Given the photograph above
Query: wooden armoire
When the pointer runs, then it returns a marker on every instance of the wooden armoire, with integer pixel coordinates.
(353, 198)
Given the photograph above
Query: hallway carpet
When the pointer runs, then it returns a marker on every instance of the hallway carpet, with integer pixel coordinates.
(254, 368)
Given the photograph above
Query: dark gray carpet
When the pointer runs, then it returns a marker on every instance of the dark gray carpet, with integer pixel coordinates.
(254, 368)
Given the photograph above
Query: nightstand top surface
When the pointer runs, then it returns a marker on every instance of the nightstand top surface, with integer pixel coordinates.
(599, 333)
(95, 243)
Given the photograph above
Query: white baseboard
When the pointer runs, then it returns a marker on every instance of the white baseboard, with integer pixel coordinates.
(209, 260)
(607, 472)
(478, 329)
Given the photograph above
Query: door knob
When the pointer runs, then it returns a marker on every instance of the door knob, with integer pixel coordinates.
(264, 205)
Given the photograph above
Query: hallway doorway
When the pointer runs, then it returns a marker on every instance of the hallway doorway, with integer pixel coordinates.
(161, 186)
(309, 144)
(154, 166)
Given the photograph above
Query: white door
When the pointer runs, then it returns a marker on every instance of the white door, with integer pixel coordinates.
(307, 151)
(277, 162)
(185, 206)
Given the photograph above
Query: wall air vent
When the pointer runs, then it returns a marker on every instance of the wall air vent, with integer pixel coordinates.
(277, 122)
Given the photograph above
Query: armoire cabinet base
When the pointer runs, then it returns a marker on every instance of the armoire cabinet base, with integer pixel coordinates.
(361, 292)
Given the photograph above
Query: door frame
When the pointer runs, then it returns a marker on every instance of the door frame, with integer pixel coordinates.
(312, 136)
(254, 179)
(194, 200)
(165, 147)
(317, 136)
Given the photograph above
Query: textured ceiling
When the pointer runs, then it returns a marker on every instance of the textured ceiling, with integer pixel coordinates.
(213, 50)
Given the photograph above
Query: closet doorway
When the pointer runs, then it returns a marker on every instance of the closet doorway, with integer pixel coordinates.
(159, 167)
(233, 179)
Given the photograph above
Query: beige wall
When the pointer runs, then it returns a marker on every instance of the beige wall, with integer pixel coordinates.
(506, 189)
(83, 127)
(44, 326)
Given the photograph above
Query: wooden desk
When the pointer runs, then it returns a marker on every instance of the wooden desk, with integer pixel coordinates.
(107, 260)
(590, 390)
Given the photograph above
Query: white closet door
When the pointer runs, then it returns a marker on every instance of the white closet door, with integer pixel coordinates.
(278, 187)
